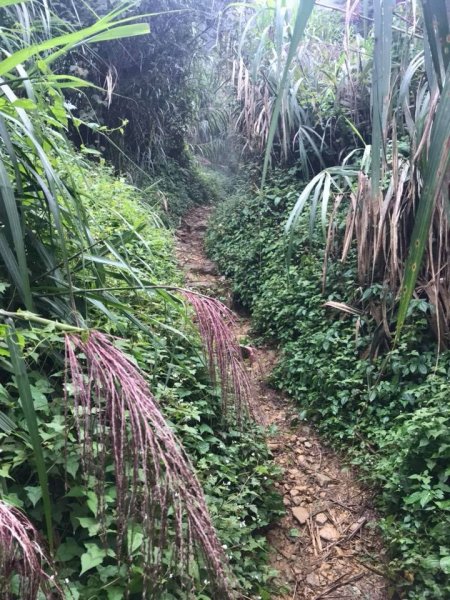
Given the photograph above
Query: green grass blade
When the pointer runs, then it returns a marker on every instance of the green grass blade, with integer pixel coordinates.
(437, 168)
(304, 12)
(121, 32)
(383, 15)
(68, 41)
(6, 425)
(436, 22)
(14, 233)
(325, 201)
(26, 400)
(5, 3)
(11, 264)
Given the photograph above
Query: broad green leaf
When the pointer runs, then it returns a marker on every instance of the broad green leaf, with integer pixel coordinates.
(91, 524)
(92, 502)
(68, 550)
(135, 539)
(34, 493)
(444, 564)
(93, 557)
(115, 593)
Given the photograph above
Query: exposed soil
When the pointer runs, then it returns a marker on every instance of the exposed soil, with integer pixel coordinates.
(336, 552)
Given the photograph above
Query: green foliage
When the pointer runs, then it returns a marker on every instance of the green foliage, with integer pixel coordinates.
(390, 415)
(182, 185)
(82, 246)
(233, 465)
(151, 88)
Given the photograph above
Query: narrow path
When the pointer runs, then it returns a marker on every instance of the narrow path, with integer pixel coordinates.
(324, 547)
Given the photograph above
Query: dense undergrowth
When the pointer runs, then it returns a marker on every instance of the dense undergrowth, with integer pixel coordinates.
(390, 414)
(89, 289)
(232, 463)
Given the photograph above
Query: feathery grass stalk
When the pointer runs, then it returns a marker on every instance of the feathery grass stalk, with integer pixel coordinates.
(116, 413)
(215, 323)
(21, 554)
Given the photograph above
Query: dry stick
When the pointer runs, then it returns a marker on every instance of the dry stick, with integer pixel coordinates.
(342, 505)
(373, 569)
(318, 540)
(338, 584)
(312, 536)
(360, 525)
(294, 596)
(335, 522)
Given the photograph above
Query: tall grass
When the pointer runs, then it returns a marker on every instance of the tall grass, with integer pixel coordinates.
(391, 185)
(59, 276)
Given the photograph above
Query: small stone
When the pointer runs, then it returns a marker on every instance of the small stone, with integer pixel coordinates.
(286, 501)
(297, 500)
(329, 533)
(308, 445)
(301, 514)
(321, 518)
(322, 479)
(312, 579)
(302, 462)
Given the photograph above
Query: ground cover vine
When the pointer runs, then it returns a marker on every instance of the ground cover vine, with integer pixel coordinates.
(390, 418)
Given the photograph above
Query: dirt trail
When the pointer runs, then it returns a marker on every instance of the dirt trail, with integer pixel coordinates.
(336, 553)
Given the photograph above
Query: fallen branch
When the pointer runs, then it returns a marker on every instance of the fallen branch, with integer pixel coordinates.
(338, 583)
